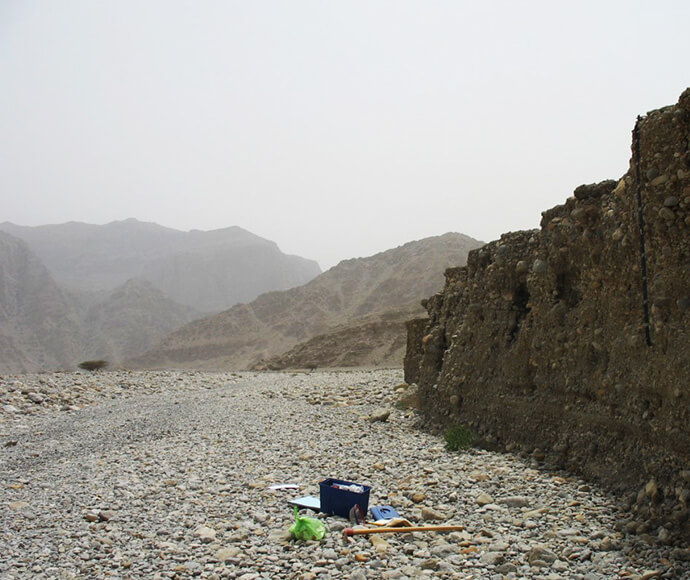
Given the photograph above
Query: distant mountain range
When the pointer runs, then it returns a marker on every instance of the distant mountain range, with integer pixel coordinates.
(76, 291)
(133, 293)
(208, 271)
(43, 327)
(345, 306)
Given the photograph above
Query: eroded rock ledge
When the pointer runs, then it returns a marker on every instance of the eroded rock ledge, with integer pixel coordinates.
(539, 343)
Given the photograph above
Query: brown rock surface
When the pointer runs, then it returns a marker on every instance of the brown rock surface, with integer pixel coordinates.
(377, 340)
(540, 340)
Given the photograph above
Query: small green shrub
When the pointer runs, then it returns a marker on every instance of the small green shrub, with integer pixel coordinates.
(458, 438)
(93, 365)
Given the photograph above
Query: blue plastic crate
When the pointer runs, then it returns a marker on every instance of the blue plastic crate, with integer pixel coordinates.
(341, 501)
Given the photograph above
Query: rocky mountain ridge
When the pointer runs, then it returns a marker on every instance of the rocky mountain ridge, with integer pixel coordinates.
(206, 270)
(39, 326)
(130, 319)
(43, 327)
(249, 334)
(124, 322)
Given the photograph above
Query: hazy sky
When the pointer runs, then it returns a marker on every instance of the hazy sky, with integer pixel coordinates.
(335, 128)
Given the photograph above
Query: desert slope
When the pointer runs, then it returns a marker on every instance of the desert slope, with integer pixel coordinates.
(373, 341)
(276, 321)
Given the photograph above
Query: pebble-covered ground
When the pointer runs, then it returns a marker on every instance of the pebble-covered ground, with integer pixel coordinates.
(166, 475)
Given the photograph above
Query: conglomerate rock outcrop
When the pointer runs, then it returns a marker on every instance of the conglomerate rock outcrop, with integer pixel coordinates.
(571, 341)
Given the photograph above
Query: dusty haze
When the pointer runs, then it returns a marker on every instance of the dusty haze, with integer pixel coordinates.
(324, 126)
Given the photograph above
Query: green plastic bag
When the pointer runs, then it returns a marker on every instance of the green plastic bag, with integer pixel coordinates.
(306, 528)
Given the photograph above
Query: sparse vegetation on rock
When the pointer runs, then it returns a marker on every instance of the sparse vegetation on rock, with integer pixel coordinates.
(459, 438)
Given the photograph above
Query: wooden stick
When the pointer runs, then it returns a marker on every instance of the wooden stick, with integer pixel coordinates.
(386, 530)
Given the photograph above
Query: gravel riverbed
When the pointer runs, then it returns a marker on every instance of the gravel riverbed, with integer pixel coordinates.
(167, 474)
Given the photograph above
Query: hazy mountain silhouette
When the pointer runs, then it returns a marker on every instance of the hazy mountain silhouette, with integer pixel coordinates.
(43, 327)
(209, 271)
(129, 320)
(352, 314)
(39, 326)
(246, 334)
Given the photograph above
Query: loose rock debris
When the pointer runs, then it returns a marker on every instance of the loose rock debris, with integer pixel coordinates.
(166, 475)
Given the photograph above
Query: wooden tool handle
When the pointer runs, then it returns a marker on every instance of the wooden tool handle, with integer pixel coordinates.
(385, 530)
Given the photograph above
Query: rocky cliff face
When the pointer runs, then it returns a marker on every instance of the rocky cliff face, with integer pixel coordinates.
(39, 327)
(543, 343)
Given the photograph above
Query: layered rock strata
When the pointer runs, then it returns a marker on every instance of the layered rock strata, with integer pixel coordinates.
(543, 343)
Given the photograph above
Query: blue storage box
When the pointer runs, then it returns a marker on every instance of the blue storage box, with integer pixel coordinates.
(335, 500)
